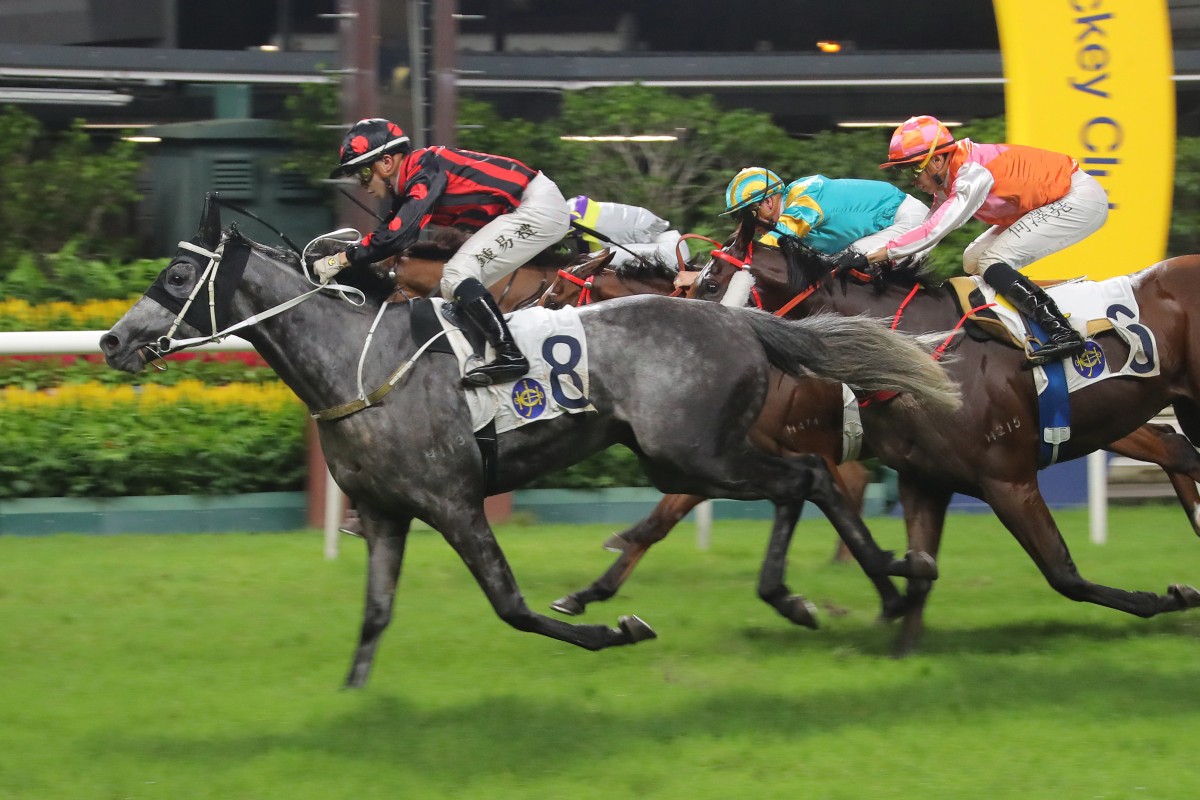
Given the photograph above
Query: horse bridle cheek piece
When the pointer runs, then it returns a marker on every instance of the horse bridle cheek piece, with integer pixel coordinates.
(185, 311)
(741, 264)
(584, 284)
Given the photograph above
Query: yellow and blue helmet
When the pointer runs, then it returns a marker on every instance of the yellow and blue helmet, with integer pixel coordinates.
(750, 186)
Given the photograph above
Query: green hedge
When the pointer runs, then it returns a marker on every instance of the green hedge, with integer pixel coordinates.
(65, 451)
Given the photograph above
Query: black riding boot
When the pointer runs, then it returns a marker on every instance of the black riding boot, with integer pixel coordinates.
(478, 307)
(1062, 340)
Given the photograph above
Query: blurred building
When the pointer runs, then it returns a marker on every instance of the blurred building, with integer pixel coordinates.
(154, 61)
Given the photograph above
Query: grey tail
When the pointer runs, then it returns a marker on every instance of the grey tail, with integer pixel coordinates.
(858, 351)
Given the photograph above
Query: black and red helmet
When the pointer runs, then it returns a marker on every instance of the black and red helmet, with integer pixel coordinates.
(366, 142)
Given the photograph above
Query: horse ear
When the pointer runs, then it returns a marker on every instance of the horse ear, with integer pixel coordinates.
(210, 222)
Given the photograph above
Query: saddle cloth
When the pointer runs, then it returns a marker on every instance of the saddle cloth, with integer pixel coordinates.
(557, 382)
(1093, 307)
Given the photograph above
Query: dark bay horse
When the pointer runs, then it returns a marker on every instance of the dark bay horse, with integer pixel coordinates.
(800, 415)
(989, 448)
(684, 405)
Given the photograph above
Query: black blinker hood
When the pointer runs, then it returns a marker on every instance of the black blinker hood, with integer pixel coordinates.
(229, 275)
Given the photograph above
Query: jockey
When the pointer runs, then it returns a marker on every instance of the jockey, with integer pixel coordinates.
(1037, 202)
(515, 212)
(843, 216)
(639, 231)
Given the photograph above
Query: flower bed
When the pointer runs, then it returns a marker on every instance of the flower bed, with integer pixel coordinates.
(93, 440)
(19, 315)
(44, 372)
(212, 423)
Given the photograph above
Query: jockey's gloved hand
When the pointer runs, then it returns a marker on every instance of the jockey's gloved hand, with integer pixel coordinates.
(328, 267)
(850, 259)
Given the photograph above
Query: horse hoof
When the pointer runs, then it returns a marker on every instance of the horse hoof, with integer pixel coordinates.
(567, 605)
(892, 611)
(1185, 595)
(636, 629)
(799, 610)
(916, 565)
(616, 543)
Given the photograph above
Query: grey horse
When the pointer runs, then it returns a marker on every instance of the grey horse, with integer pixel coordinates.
(679, 382)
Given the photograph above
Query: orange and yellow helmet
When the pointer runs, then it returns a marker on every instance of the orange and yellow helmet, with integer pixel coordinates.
(917, 141)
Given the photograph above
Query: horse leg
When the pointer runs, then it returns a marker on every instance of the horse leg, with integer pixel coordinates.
(827, 495)
(771, 586)
(924, 521)
(467, 531)
(385, 548)
(1160, 444)
(808, 477)
(631, 544)
(852, 478)
(1023, 511)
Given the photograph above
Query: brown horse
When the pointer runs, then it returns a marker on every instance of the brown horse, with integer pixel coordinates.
(800, 416)
(989, 448)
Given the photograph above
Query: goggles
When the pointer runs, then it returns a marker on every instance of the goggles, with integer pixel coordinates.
(913, 170)
(365, 174)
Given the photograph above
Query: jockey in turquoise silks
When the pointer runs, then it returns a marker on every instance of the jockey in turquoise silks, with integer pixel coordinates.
(830, 215)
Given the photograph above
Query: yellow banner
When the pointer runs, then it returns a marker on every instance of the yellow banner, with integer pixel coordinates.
(1092, 78)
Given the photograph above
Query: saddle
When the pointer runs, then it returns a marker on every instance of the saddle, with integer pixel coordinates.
(1001, 322)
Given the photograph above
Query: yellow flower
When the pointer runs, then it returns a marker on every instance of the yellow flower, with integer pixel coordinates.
(90, 315)
(265, 397)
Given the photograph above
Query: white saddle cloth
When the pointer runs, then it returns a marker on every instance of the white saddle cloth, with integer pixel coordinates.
(557, 382)
(1087, 302)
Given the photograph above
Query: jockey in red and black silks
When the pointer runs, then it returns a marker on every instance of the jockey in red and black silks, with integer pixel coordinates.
(515, 211)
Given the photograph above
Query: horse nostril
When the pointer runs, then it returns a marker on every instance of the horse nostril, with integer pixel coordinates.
(109, 343)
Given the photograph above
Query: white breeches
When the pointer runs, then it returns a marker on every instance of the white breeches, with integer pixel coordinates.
(510, 240)
(662, 248)
(1053, 227)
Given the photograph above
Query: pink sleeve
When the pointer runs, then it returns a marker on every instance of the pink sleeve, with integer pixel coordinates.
(967, 193)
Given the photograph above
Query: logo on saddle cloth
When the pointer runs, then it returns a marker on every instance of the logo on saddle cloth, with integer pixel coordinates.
(528, 398)
(1090, 363)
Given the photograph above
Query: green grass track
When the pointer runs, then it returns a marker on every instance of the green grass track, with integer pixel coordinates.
(208, 666)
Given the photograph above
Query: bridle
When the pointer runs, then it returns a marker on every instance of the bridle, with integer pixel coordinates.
(166, 345)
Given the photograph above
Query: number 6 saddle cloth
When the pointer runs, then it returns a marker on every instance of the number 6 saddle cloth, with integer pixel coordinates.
(557, 382)
(1093, 308)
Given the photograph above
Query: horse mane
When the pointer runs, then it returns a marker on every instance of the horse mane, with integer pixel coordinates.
(290, 257)
(441, 247)
(648, 269)
(805, 266)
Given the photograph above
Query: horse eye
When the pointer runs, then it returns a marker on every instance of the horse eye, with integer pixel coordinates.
(710, 286)
(178, 276)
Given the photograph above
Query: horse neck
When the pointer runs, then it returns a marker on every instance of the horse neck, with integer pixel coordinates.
(314, 346)
(615, 285)
(919, 310)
